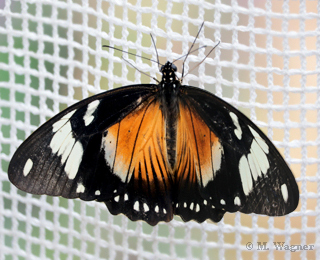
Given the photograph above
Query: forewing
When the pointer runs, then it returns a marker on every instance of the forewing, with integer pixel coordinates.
(58, 154)
(234, 166)
(108, 148)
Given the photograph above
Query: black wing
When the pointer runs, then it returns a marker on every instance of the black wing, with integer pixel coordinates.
(227, 163)
(86, 152)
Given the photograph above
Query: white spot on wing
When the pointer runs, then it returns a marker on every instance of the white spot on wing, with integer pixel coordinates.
(136, 206)
(237, 131)
(260, 156)
(245, 175)
(27, 167)
(156, 209)
(216, 153)
(222, 202)
(126, 197)
(66, 147)
(255, 163)
(57, 125)
(164, 211)
(97, 193)
(60, 136)
(116, 199)
(74, 160)
(197, 208)
(64, 144)
(138, 102)
(237, 201)
(80, 188)
(109, 143)
(259, 140)
(145, 207)
(284, 191)
(88, 117)
(254, 166)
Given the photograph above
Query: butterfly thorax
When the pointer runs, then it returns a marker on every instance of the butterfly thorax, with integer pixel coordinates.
(168, 73)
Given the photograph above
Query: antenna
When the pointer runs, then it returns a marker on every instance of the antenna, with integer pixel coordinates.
(155, 47)
(145, 58)
(158, 62)
(204, 46)
(201, 61)
(107, 46)
(191, 49)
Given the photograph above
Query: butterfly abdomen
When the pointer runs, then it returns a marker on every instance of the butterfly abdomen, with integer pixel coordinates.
(170, 108)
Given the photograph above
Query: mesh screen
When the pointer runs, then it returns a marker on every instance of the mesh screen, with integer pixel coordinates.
(266, 65)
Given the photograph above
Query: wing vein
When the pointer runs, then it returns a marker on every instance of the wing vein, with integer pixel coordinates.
(196, 144)
(135, 141)
(115, 155)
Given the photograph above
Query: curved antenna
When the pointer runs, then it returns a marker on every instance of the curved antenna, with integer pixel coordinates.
(204, 46)
(155, 47)
(107, 46)
(117, 49)
(191, 49)
(202, 60)
(140, 70)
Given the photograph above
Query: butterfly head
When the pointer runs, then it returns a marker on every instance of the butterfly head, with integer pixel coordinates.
(168, 71)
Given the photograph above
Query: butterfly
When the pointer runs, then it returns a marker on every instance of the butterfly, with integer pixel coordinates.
(152, 151)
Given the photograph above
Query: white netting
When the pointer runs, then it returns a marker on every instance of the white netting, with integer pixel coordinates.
(267, 65)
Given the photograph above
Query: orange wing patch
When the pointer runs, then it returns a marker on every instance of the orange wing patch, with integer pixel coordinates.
(199, 151)
(136, 146)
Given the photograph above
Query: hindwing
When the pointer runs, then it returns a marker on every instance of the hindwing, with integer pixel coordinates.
(135, 148)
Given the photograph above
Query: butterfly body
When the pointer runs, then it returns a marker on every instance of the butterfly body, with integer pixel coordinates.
(150, 151)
